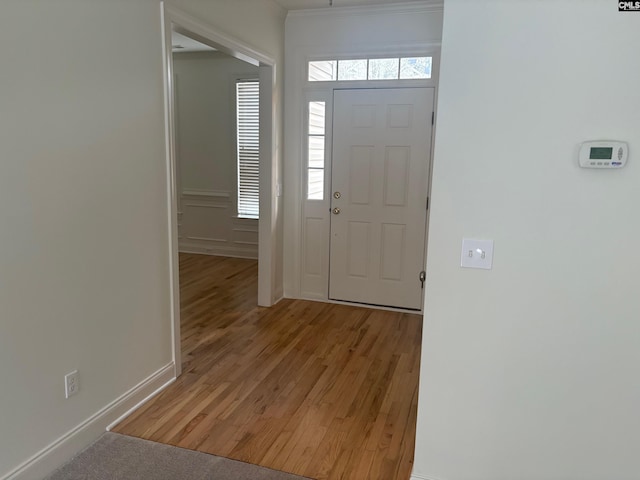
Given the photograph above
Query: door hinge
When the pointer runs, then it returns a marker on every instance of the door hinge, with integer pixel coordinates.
(423, 277)
(433, 117)
(427, 203)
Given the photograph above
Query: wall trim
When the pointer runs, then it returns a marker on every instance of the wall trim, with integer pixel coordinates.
(206, 54)
(207, 239)
(219, 251)
(204, 33)
(205, 193)
(398, 8)
(59, 451)
(415, 476)
(204, 205)
(323, 299)
(246, 230)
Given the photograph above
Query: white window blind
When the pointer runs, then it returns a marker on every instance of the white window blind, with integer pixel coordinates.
(248, 134)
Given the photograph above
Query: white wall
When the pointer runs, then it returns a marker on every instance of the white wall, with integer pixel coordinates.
(84, 263)
(413, 29)
(84, 256)
(530, 370)
(206, 155)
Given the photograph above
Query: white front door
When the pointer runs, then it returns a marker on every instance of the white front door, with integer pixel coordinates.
(379, 187)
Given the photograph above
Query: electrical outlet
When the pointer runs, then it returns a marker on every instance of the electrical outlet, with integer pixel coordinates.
(71, 384)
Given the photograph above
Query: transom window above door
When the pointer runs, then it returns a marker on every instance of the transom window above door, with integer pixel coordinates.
(394, 68)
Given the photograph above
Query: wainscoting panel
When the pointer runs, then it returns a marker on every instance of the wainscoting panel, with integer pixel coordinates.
(208, 224)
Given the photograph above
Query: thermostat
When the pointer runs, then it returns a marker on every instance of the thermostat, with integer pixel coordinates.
(603, 154)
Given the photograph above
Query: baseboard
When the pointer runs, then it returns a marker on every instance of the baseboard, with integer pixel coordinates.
(324, 299)
(65, 447)
(220, 251)
(415, 476)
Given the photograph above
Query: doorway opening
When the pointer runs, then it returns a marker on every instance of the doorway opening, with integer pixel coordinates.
(218, 208)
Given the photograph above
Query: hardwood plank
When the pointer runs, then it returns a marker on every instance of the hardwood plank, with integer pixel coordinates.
(321, 390)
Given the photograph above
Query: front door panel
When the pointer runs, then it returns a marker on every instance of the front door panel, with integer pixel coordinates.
(381, 160)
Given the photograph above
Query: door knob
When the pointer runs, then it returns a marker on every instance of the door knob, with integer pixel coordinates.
(336, 211)
(336, 195)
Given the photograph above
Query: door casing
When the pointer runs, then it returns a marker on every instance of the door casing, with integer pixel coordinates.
(174, 18)
(311, 218)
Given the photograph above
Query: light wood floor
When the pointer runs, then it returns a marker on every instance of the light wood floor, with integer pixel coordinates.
(320, 390)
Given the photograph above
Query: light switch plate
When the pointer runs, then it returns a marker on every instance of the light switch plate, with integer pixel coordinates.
(476, 254)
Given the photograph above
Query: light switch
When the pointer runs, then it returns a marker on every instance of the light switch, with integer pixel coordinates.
(476, 253)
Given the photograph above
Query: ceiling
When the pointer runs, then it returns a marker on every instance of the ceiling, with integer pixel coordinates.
(303, 4)
(182, 43)
(188, 44)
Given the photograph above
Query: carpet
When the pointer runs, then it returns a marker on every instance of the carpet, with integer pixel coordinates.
(118, 457)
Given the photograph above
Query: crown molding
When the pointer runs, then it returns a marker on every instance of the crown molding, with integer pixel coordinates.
(276, 7)
(397, 8)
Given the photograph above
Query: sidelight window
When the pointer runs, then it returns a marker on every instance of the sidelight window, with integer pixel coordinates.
(316, 151)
